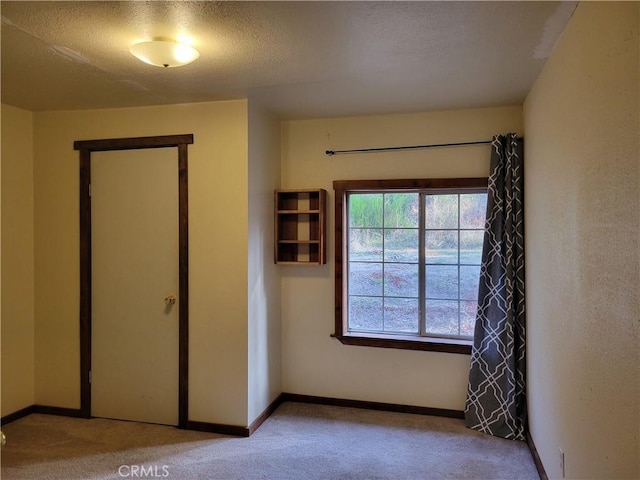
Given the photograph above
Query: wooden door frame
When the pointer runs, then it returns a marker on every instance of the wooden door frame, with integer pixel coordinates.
(85, 148)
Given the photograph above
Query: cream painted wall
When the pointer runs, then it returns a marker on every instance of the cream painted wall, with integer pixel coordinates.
(218, 206)
(265, 336)
(314, 363)
(582, 155)
(17, 260)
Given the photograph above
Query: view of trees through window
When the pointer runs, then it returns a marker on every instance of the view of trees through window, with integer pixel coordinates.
(414, 262)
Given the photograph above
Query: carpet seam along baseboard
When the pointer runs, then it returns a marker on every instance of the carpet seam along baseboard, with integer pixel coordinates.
(241, 430)
(17, 415)
(536, 458)
(387, 407)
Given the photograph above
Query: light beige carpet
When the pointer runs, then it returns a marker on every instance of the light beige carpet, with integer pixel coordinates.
(299, 441)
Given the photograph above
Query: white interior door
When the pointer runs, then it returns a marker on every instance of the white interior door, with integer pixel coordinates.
(134, 228)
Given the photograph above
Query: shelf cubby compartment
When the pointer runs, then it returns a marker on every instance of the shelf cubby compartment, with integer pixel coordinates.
(300, 219)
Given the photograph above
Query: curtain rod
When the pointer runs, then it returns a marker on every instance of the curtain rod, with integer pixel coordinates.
(410, 147)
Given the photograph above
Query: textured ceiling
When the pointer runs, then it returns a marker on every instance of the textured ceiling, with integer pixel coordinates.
(301, 59)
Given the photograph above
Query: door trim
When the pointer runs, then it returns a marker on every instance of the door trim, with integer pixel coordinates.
(85, 148)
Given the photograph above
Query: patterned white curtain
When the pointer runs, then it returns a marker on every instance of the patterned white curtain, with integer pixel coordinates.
(496, 397)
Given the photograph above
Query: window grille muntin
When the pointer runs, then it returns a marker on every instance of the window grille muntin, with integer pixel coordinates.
(421, 231)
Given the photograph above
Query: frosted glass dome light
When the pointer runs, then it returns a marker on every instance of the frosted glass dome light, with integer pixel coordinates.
(164, 53)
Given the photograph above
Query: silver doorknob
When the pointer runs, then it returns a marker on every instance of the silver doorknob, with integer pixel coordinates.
(170, 300)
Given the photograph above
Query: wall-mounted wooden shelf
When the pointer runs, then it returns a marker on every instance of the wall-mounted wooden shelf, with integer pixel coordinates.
(300, 219)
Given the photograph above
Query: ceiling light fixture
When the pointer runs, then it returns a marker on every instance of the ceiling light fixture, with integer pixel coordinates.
(164, 53)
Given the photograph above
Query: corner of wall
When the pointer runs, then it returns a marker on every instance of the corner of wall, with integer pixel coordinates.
(17, 266)
(264, 323)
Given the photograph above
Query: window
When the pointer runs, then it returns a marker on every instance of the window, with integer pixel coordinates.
(408, 262)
